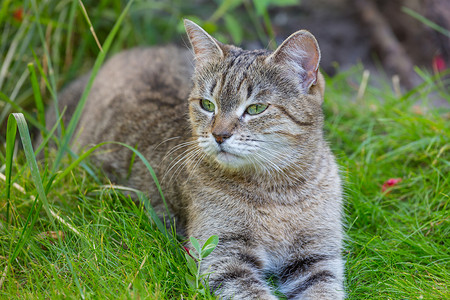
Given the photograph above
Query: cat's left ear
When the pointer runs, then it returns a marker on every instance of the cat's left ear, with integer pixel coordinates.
(205, 46)
(300, 53)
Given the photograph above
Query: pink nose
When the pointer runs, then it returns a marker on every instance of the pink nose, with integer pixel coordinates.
(221, 137)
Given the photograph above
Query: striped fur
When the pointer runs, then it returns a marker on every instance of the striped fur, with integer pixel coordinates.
(267, 184)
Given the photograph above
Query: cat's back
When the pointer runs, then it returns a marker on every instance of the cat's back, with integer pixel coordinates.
(141, 86)
(166, 70)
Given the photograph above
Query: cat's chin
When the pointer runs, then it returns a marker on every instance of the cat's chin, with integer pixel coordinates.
(230, 161)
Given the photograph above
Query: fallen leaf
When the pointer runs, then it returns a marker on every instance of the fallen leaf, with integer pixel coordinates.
(390, 183)
(18, 14)
(439, 64)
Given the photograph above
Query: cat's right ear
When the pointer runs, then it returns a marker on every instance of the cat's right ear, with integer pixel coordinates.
(205, 46)
(299, 53)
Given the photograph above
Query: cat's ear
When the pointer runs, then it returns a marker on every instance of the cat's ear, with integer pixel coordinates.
(300, 53)
(205, 46)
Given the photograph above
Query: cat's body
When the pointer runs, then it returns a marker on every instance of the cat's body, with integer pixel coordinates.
(138, 98)
(251, 166)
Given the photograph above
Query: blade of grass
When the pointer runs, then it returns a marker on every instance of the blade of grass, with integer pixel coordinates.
(77, 113)
(257, 25)
(71, 21)
(4, 38)
(10, 143)
(27, 227)
(140, 195)
(8, 69)
(426, 21)
(49, 135)
(45, 48)
(37, 96)
(28, 116)
(57, 43)
(224, 7)
(33, 214)
(4, 10)
(18, 84)
(43, 75)
(144, 199)
(11, 52)
(10, 139)
(151, 171)
(91, 28)
(17, 119)
(130, 167)
(135, 151)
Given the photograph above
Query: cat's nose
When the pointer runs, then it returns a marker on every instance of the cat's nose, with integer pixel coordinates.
(221, 137)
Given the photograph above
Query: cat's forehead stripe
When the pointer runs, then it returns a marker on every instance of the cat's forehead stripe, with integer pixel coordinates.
(241, 81)
(233, 82)
(249, 91)
(241, 62)
(235, 74)
(213, 86)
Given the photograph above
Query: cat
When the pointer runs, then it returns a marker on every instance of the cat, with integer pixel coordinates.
(236, 139)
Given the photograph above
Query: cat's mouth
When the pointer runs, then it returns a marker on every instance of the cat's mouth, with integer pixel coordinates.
(228, 156)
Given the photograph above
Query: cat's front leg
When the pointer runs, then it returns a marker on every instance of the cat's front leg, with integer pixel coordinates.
(312, 277)
(236, 273)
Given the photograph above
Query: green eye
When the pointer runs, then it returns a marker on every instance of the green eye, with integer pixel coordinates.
(207, 105)
(256, 109)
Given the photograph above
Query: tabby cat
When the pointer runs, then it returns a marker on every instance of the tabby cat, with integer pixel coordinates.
(236, 139)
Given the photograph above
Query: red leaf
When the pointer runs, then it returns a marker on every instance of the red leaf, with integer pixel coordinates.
(439, 64)
(187, 250)
(390, 183)
(18, 14)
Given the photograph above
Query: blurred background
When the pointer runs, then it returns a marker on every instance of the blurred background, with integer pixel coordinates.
(391, 38)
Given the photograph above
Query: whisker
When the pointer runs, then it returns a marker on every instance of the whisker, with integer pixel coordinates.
(279, 155)
(267, 169)
(186, 158)
(264, 141)
(196, 165)
(166, 140)
(270, 162)
(251, 160)
(177, 147)
(272, 152)
(192, 159)
(178, 159)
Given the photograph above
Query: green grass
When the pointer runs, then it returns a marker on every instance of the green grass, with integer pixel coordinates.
(398, 241)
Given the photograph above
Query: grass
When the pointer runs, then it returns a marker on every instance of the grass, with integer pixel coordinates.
(398, 239)
(66, 232)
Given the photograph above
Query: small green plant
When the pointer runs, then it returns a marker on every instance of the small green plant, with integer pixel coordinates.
(195, 278)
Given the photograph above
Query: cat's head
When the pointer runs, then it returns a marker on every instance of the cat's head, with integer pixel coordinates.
(256, 110)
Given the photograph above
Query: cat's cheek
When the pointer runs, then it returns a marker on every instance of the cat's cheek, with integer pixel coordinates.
(199, 117)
